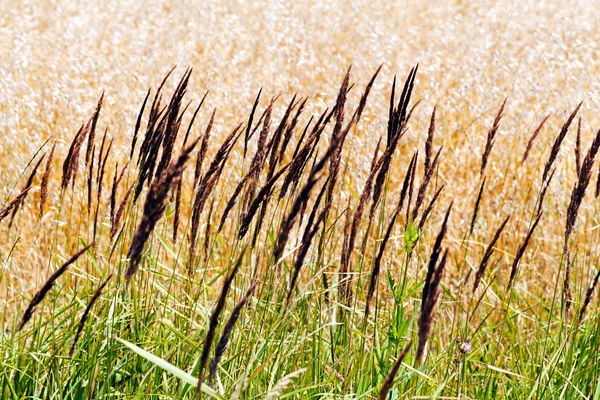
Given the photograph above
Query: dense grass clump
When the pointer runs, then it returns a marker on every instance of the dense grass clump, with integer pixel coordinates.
(254, 265)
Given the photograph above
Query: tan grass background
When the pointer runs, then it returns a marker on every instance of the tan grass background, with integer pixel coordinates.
(56, 58)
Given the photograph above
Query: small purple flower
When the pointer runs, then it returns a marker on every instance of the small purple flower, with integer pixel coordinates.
(465, 347)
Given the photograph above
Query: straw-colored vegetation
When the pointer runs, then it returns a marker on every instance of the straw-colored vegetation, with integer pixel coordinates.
(275, 223)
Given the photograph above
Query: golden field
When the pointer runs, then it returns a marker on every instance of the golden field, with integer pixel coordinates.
(58, 57)
(312, 260)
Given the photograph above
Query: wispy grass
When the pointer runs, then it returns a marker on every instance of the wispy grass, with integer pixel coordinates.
(304, 293)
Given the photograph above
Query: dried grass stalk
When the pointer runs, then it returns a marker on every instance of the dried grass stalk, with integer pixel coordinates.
(312, 227)
(532, 138)
(261, 198)
(558, 142)
(491, 138)
(249, 126)
(14, 203)
(154, 207)
(92, 130)
(116, 222)
(430, 293)
(389, 380)
(578, 148)
(25, 191)
(581, 186)
(214, 321)
(86, 314)
(488, 253)
(477, 204)
(429, 208)
(46, 181)
(567, 292)
(206, 185)
(429, 141)
(203, 148)
(520, 252)
(137, 125)
(227, 329)
(587, 300)
(41, 294)
(378, 259)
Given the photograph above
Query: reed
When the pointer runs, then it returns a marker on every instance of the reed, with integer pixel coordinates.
(41, 294)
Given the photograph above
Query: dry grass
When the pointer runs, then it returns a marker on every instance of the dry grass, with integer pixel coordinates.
(59, 58)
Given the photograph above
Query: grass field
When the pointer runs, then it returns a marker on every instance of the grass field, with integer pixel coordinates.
(305, 214)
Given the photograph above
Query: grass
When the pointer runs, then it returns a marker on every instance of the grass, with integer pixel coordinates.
(312, 246)
(276, 303)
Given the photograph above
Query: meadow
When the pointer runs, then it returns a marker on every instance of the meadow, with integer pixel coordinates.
(188, 211)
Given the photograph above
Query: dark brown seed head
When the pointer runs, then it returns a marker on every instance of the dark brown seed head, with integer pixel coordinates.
(206, 185)
(378, 259)
(137, 125)
(544, 191)
(557, 143)
(25, 191)
(581, 186)
(227, 329)
(86, 313)
(567, 293)
(435, 253)
(429, 141)
(430, 298)
(487, 254)
(290, 129)
(520, 252)
(203, 149)
(177, 210)
(598, 184)
(490, 138)
(207, 230)
(532, 138)
(578, 148)
(476, 209)
(587, 300)
(275, 142)
(302, 197)
(214, 321)
(89, 181)
(310, 231)
(39, 296)
(249, 126)
(261, 198)
(154, 207)
(363, 100)
(259, 158)
(71, 156)
(100, 180)
(92, 130)
(429, 208)
(46, 180)
(427, 175)
(113, 194)
(411, 185)
(116, 222)
(14, 203)
(389, 380)
(358, 213)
